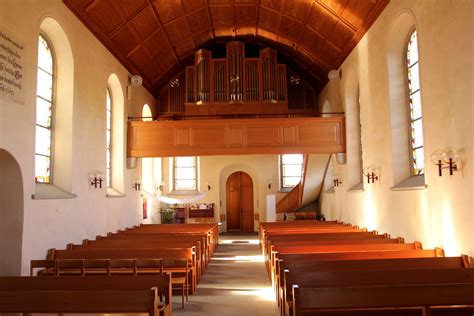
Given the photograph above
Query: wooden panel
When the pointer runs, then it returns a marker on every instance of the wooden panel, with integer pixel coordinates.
(263, 135)
(152, 137)
(236, 136)
(182, 137)
(214, 136)
(327, 134)
(290, 134)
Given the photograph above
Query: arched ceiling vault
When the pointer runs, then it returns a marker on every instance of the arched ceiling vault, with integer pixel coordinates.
(155, 38)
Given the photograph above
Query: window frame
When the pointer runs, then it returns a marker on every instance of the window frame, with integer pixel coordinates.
(51, 128)
(175, 187)
(282, 176)
(411, 120)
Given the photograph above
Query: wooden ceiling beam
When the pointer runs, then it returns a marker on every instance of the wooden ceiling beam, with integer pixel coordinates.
(160, 25)
(127, 20)
(337, 25)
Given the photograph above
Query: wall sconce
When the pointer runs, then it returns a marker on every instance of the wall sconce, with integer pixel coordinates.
(136, 185)
(371, 173)
(337, 182)
(448, 158)
(161, 187)
(208, 186)
(96, 179)
(269, 185)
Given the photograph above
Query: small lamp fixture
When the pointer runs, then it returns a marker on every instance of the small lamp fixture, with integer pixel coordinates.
(136, 185)
(371, 173)
(269, 185)
(337, 182)
(295, 80)
(448, 158)
(208, 186)
(96, 179)
(174, 83)
(161, 187)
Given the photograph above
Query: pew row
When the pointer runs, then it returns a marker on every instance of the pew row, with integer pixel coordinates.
(425, 299)
(120, 294)
(128, 254)
(287, 252)
(348, 278)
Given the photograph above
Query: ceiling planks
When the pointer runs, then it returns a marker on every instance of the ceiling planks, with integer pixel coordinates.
(157, 38)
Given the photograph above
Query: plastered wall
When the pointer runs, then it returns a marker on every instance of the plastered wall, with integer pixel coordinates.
(56, 222)
(442, 214)
(215, 170)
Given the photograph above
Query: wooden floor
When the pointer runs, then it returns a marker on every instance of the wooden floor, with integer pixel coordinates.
(235, 282)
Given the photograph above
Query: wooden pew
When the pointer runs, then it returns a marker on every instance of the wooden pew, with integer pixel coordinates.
(158, 253)
(182, 230)
(299, 260)
(144, 244)
(271, 238)
(280, 252)
(86, 295)
(200, 239)
(210, 229)
(308, 227)
(204, 238)
(331, 278)
(308, 266)
(330, 242)
(386, 300)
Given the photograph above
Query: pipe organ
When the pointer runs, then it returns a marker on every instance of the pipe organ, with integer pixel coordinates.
(257, 85)
(235, 78)
(236, 83)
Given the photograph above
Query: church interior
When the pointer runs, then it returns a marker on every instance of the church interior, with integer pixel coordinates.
(232, 118)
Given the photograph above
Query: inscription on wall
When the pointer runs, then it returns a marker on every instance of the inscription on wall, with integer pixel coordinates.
(11, 69)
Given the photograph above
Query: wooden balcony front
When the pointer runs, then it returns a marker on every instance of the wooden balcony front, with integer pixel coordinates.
(311, 135)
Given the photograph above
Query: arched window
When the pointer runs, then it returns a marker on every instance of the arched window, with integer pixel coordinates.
(44, 111)
(108, 136)
(291, 170)
(147, 163)
(416, 125)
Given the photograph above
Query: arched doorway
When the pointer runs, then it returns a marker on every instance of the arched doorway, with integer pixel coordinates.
(11, 214)
(239, 188)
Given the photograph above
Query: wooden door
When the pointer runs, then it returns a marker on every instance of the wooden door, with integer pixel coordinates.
(247, 202)
(239, 189)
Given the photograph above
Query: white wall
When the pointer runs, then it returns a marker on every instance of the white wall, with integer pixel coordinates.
(56, 222)
(442, 214)
(215, 170)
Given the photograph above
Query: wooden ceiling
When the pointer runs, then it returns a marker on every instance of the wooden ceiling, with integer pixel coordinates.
(157, 38)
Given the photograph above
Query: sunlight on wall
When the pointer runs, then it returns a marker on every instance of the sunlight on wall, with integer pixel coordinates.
(157, 171)
(449, 242)
(369, 211)
(426, 223)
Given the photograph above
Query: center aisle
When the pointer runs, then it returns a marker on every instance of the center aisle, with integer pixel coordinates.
(235, 283)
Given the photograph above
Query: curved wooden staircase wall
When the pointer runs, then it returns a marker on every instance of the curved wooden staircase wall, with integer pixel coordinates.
(292, 200)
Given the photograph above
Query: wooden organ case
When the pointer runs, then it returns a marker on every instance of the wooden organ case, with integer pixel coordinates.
(243, 85)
